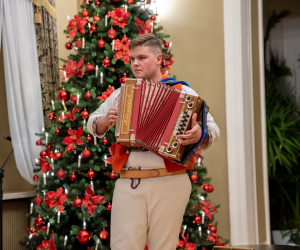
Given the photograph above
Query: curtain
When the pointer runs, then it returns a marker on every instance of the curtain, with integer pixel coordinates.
(22, 81)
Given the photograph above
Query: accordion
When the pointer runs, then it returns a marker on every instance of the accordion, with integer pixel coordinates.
(152, 114)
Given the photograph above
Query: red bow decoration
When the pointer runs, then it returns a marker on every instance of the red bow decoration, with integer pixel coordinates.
(105, 95)
(90, 201)
(144, 28)
(184, 244)
(75, 137)
(56, 199)
(123, 51)
(74, 68)
(70, 114)
(45, 166)
(76, 24)
(120, 17)
(47, 244)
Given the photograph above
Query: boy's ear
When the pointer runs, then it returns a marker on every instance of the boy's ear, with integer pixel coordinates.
(159, 58)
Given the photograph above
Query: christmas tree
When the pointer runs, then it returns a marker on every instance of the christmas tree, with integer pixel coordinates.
(74, 174)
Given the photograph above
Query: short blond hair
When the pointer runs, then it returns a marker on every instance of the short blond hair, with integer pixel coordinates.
(148, 40)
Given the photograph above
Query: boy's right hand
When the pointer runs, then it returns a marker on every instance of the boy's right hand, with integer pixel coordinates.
(111, 117)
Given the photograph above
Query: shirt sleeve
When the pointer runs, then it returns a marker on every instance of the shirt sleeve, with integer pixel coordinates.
(111, 102)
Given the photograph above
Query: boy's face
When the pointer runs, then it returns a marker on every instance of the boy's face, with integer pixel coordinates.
(144, 63)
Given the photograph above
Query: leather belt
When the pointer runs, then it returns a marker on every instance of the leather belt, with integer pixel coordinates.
(143, 174)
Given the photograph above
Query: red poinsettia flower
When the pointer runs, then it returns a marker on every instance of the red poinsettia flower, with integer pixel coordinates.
(169, 60)
(56, 199)
(90, 201)
(144, 28)
(219, 242)
(108, 160)
(76, 24)
(47, 244)
(75, 137)
(185, 245)
(106, 94)
(34, 230)
(74, 68)
(45, 166)
(123, 51)
(119, 17)
(70, 114)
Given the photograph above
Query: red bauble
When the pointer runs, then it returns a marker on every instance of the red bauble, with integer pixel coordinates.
(205, 188)
(83, 236)
(108, 207)
(78, 43)
(213, 229)
(39, 143)
(72, 177)
(84, 114)
(103, 235)
(97, 3)
(96, 18)
(106, 62)
(57, 131)
(194, 177)
(51, 116)
(86, 153)
(209, 225)
(92, 28)
(112, 175)
(88, 138)
(101, 43)
(39, 221)
(43, 154)
(167, 44)
(164, 64)
(104, 141)
(111, 33)
(60, 174)
(49, 147)
(125, 39)
(85, 14)
(89, 67)
(38, 200)
(148, 1)
(88, 95)
(63, 95)
(68, 46)
(35, 177)
(73, 99)
(209, 188)
(130, 1)
(197, 220)
(90, 174)
(153, 18)
(77, 202)
(57, 156)
(123, 79)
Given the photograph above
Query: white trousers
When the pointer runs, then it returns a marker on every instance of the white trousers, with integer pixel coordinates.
(152, 213)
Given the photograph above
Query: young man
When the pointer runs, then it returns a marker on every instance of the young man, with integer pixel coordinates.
(151, 209)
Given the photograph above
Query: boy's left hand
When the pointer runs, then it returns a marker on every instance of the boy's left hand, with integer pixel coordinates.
(193, 135)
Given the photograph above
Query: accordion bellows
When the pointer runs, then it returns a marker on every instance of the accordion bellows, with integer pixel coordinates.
(152, 114)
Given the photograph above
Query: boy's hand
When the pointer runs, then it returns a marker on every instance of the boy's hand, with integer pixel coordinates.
(111, 117)
(193, 135)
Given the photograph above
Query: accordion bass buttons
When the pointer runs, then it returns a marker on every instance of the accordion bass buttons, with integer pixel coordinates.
(169, 149)
(188, 98)
(175, 144)
(190, 105)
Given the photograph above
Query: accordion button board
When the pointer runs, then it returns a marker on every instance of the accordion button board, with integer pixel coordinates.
(152, 115)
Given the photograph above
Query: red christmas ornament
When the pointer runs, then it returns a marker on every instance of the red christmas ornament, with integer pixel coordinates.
(111, 33)
(38, 142)
(148, 1)
(194, 177)
(97, 3)
(68, 45)
(90, 174)
(89, 67)
(92, 28)
(84, 114)
(85, 14)
(60, 174)
(101, 43)
(123, 79)
(125, 39)
(72, 177)
(57, 156)
(165, 64)
(205, 188)
(104, 141)
(77, 202)
(72, 150)
(96, 18)
(153, 18)
(106, 62)
(209, 188)
(35, 177)
(73, 99)
(83, 236)
(108, 207)
(209, 225)
(166, 44)
(63, 95)
(39, 221)
(52, 116)
(86, 153)
(43, 154)
(103, 234)
(213, 229)
(78, 43)
(88, 95)
(57, 131)
(88, 138)
(49, 147)
(130, 1)
(112, 175)
(38, 200)
(197, 220)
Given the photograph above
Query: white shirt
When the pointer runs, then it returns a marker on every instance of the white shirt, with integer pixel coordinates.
(145, 159)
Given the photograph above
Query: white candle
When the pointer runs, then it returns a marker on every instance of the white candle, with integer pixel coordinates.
(83, 42)
(77, 101)
(58, 217)
(79, 160)
(101, 78)
(126, 8)
(203, 217)
(48, 227)
(65, 108)
(76, 50)
(184, 228)
(36, 160)
(53, 107)
(47, 173)
(92, 185)
(52, 173)
(200, 231)
(62, 116)
(44, 196)
(65, 241)
(66, 191)
(84, 225)
(84, 122)
(43, 129)
(95, 140)
(31, 207)
(68, 17)
(45, 179)
(105, 157)
(46, 137)
(151, 27)
(199, 161)
(55, 151)
(105, 20)
(170, 47)
(113, 45)
(208, 231)
(90, 28)
(65, 74)
(97, 243)
(97, 69)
